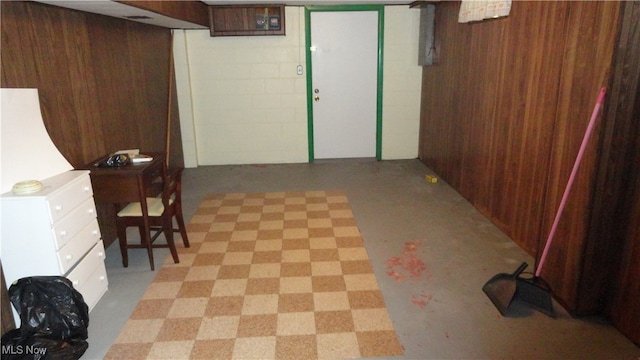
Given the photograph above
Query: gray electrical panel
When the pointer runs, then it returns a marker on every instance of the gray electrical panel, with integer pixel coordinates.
(427, 47)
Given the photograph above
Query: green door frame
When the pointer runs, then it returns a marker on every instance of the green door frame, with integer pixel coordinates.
(307, 16)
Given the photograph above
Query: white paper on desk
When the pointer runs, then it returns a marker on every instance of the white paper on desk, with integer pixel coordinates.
(139, 158)
(128, 152)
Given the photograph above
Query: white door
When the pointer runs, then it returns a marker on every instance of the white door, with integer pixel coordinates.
(344, 65)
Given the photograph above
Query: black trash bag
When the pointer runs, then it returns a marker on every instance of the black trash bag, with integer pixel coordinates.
(53, 316)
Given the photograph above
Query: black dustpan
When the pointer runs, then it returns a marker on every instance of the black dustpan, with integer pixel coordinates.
(536, 293)
(501, 288)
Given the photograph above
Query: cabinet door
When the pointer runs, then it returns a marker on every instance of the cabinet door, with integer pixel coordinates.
(246, 20)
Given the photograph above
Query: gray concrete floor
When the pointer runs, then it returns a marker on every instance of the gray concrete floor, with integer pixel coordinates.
(393, 204)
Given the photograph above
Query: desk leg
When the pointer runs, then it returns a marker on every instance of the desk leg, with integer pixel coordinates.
(122, 238)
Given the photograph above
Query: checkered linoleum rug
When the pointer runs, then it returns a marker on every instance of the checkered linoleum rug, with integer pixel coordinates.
(267, 276)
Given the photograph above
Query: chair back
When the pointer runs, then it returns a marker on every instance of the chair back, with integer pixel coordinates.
(172, 189)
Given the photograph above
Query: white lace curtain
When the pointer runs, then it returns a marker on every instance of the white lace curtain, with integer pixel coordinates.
(476, 10)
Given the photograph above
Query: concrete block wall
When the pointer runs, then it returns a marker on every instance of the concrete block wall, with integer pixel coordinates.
(242, 102)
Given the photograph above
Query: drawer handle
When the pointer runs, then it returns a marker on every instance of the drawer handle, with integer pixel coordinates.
(86, 189)
(76, 282)
(91, 211)
(95, 232)
(63, 233)
(58, 207)
(69, 257)
(100, 255)
(102, 278)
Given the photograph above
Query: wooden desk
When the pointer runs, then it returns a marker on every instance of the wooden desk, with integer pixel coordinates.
(130, 183)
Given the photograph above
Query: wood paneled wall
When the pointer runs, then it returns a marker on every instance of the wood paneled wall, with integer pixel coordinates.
(591, 33)
(615, 231)
(103, 82)
(624, 306)
(488, 111)
(504, 112)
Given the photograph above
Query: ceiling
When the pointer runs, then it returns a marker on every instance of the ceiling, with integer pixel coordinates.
(119, 10)
(123, 11)
(307, 2)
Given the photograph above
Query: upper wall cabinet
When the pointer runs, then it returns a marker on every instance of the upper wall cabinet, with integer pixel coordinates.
(246, 20)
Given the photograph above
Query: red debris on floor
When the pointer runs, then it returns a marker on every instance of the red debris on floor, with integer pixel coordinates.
(421, 300)
(409, 266)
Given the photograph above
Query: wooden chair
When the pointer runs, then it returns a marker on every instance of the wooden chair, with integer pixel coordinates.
(160, 214)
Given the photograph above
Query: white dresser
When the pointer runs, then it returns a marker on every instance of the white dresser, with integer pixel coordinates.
(55, 232)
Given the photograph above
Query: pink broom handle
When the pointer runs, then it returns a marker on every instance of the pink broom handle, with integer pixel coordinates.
(572, 177)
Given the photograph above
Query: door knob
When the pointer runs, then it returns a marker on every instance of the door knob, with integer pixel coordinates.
(316, 98)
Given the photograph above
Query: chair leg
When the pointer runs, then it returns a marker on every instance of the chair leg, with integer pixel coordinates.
(122, 237)
(167, 226)
(145, 239)
(181, 227)
(141, 231)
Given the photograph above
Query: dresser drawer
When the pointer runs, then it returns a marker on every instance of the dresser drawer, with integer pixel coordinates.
(95, 286)
(76, 247)
(89, 277)
(76, 220)
(70, 196)
(81, 273)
